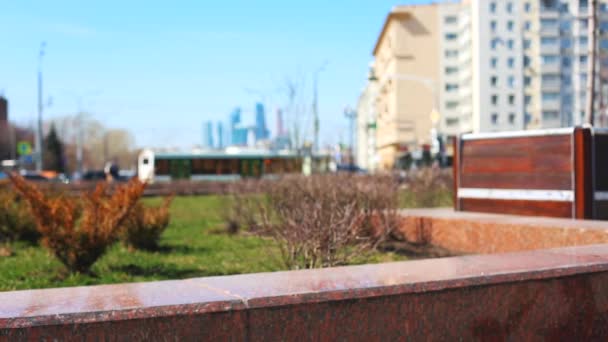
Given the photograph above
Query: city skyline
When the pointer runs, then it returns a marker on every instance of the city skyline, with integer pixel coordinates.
(131, 72)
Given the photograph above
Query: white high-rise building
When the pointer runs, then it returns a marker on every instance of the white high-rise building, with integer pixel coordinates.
(556, 50)
(497, 66)
(482, 66)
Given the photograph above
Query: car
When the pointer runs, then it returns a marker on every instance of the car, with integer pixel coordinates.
(94, 175)
(350, 168)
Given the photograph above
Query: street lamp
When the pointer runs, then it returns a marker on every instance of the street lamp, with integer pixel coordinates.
(39, 138)
(315, 106)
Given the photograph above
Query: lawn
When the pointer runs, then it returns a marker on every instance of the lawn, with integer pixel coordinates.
(194, 245)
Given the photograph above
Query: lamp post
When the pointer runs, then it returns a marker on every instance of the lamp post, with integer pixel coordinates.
(315, 106)
(39, 139)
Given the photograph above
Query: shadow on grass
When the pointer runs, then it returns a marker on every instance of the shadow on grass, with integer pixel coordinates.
(163, 271)
(180, 249)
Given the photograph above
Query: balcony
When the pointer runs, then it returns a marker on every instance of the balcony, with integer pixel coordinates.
(551, 86)
(550, 105)
(550, 68)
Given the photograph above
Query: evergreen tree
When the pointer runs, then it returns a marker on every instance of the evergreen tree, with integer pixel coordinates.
(53, 152)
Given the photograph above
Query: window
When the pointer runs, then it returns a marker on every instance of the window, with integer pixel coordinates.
(451, 20)
(604, 44)
(527, 7)
(451, 70)
(511, 81)
(527, 80)
(510, 25)
(567, 100)
(583, 59)
(511, 99)
(495, 118)
(494, 81)
(493, 25)
(565, 26)
(566, 80)
(548, 41)
(583, 40)
(550, 115)
(566, 62)
(550, 78)
(550, 96)
(510, 44)
(492, 7)
(527, 99)
(451, 104)
(527, 43)
(451, 36)
(494, 62)
(511, 118)
(451, 121)
(451, 53)
(527, 25)
(584, 78)
(494, 99)
(494, 43)
(566, 43)
(548, 24)
(550, 59)
(526, 61)
(582, 23)
(451, 87)
(509, 7)
(511, 62)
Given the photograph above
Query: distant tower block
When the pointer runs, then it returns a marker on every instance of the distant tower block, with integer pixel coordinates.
(280, 132)
(3, 109)
(220, 135)
(208, 135)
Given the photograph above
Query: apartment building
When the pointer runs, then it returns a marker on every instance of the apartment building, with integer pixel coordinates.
(483, 66)
(556, 58)
(365, 156)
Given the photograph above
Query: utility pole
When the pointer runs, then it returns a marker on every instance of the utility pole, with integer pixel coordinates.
(315, 107)
(39, 137)
(592, 61)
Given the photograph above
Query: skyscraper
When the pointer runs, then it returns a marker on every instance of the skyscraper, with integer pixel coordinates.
(208, 134)
(261, 131)
(220, 135)
(279, 132)
(238, 134)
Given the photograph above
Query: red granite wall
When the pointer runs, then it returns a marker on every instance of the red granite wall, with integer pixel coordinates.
(462, 232)
(559, 294)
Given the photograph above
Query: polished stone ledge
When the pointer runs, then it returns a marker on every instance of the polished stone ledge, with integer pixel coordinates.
(199, 296)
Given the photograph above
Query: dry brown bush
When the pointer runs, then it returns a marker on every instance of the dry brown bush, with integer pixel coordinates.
(323, 220)
(16, 222)
(427, 188)
(144, 225)
(78, 231)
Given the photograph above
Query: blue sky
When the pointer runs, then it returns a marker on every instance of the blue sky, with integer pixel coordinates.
(161, 69)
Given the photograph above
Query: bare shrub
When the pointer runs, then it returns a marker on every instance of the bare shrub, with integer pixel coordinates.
(16, 222)
(79, 231)
(241, 211)
(144, 225)
(428, 187)
(325, 220)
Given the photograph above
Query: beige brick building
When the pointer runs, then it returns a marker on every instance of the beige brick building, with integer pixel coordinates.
(405, 65)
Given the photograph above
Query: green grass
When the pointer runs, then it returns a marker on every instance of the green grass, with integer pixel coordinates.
(192, 246)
